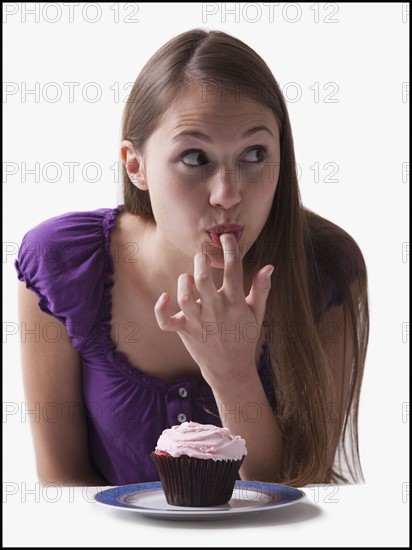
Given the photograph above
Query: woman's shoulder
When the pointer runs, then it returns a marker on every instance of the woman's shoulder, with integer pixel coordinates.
(60, 245)
(336, 258)
(61, 239)
(65, 261)
(72, 225)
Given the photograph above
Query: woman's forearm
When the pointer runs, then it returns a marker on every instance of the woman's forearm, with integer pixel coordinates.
(245, 411)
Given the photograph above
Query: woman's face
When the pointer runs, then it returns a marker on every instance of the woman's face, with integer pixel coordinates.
(214, 159)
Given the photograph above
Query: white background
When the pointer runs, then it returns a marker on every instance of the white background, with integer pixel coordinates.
(363, 53)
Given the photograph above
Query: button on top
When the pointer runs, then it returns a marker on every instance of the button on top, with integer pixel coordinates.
(183, 392)
(181, 417)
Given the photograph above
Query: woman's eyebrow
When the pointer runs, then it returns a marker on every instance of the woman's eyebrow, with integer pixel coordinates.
(204, 137)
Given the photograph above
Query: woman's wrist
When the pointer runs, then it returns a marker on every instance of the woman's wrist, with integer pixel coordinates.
(245, 410)
(243, 401)
(234, 381)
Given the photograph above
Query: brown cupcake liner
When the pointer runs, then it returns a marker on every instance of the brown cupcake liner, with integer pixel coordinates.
(196, 482)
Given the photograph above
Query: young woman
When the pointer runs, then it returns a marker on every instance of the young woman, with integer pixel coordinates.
(166, 309)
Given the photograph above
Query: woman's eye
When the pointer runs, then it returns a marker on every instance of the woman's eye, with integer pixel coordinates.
(255, 155)
(194, 158)
(198, 158)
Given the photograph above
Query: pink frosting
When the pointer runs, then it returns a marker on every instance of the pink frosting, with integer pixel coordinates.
(201, 441)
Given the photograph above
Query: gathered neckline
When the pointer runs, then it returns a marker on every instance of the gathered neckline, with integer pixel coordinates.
(117, 357)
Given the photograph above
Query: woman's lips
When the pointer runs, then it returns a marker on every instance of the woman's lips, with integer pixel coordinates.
(215, 237)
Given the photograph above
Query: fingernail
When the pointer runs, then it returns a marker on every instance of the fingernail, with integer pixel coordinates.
(269, 273)
(163, 296)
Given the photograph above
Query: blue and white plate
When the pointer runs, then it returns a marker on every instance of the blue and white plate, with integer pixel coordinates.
(148, 499)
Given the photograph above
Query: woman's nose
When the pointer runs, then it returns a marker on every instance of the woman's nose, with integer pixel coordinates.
(225, 187)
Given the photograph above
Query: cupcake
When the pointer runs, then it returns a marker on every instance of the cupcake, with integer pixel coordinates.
(198, 463)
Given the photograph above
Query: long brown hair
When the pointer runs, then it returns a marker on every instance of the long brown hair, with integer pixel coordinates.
(309, 254)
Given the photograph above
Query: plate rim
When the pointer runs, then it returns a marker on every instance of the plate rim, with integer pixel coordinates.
(156, 486)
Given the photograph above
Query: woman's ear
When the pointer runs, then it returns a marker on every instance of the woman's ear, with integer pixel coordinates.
(134, 165)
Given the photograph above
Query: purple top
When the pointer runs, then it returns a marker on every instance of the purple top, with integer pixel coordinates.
(66, 261)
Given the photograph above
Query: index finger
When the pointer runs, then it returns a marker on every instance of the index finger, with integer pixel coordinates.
(233, 270)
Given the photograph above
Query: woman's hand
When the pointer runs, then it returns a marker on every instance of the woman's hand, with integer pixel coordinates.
(221, 329)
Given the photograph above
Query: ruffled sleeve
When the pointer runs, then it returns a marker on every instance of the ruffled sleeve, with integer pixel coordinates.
(63, 261)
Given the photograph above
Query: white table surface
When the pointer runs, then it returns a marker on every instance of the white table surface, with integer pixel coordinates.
(328, 516)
